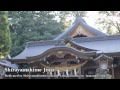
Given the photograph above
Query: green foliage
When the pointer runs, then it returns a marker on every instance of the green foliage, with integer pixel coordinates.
(5, 41)
(68, 14)
(31, 26)
(36, 25)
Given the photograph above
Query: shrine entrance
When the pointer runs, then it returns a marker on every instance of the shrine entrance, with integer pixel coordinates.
(65, 63)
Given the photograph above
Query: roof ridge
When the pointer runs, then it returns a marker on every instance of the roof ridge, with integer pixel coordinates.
(44, 42)
(82, 22)
(99, 38)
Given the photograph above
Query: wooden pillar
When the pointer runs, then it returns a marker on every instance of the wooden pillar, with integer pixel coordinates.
(113, 72)
(75, 72)
(58, 72)
(70, 73)
(48, 74)
(79, 70)
(67, 73)
(80, 73)
(55, 74)
(29, 72)
(29, 75)
(51, 74)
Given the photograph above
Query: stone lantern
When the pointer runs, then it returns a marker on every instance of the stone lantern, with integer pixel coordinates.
(104, 64)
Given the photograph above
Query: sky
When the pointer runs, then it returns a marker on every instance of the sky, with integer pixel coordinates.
(91, 18)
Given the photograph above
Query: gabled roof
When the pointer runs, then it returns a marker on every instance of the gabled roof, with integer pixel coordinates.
(79, 21)
(103, 56)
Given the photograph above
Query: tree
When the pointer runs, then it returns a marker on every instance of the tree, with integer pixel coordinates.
(71, 15)
(32, 26)
(5, 41)
(37, 25)
(109, 21)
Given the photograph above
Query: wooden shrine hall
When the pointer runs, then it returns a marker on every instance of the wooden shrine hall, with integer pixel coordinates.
(80, 52)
